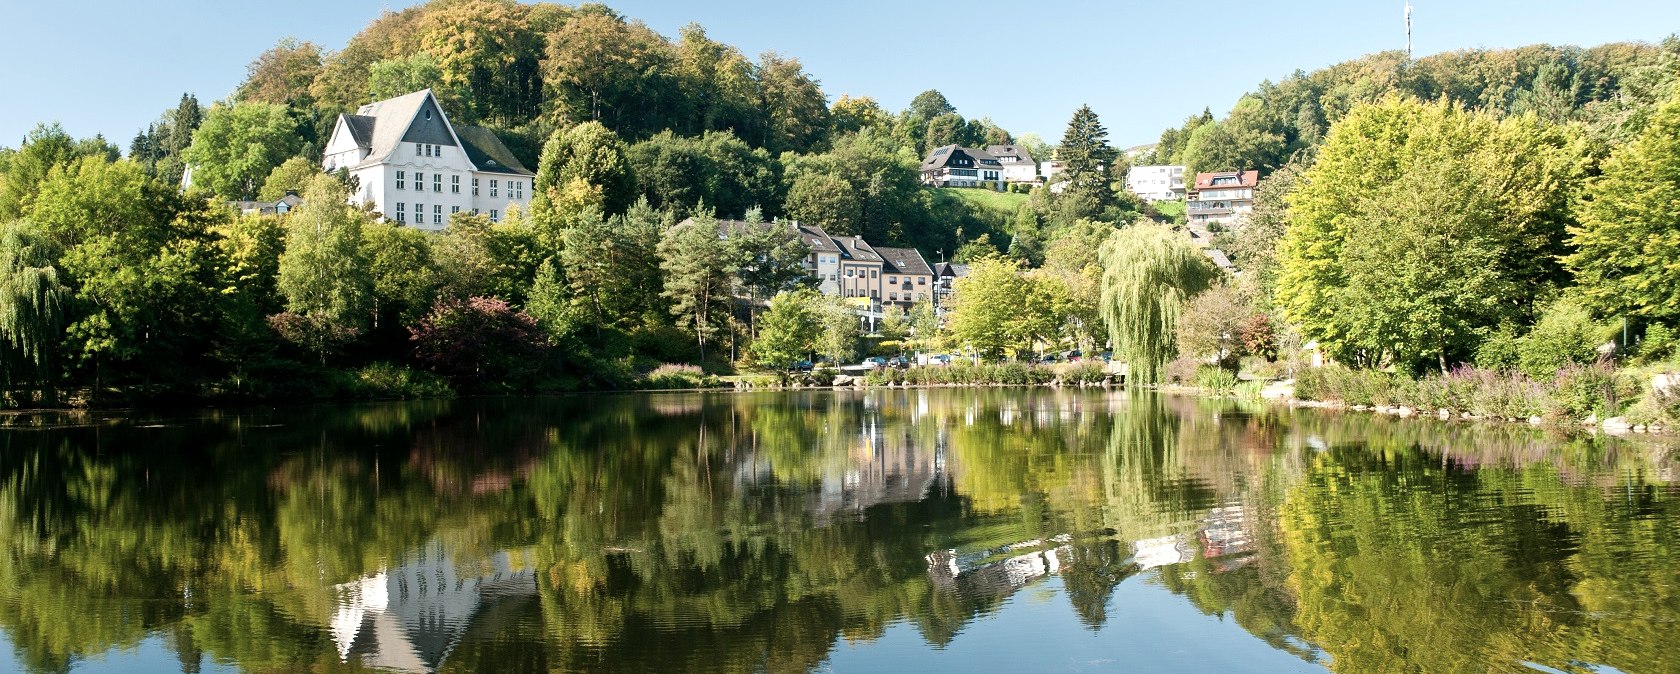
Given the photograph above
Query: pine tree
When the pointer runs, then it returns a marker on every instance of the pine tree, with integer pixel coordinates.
(1086, 152)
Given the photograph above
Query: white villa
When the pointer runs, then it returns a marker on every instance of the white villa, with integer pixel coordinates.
(417, 169)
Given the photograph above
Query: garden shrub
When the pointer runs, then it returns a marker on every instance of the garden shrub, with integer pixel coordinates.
(1216, 379)
(1566, 335)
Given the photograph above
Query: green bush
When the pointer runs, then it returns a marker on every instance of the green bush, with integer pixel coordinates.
(1596, 389)
(1086, 372)
(1500, 352)
(1566, 335)
(1339, 383)
(672, 376)
(392, 381)
(1216, 379)
(1657, 344)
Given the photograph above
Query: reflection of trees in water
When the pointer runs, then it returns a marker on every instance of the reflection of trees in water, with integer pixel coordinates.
(742, 532)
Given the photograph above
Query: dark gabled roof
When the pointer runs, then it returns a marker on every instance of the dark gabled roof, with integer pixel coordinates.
(818, 239)
(904, 261)
(487, 152)
(856, 249)
(944, 269)
(361, 129)
(940, 156)
(1009, 151)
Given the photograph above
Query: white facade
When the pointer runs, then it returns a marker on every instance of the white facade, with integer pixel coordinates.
(1018, 165)
(1156, 183)
(417, 169)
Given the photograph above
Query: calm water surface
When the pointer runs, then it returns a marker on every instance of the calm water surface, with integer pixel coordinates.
(921, 531)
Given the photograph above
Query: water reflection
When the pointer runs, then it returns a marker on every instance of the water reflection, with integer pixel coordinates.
(765, 531)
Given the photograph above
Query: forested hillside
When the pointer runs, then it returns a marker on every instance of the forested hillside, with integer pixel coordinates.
(1608, 90)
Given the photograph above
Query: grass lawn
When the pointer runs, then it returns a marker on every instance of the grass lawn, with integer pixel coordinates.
(1002, 202)
(1173, 210)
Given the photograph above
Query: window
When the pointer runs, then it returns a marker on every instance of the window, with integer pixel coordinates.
(874, 273)
(475, 187)
(848, 272)
(492, 187)
(401, 216)
(892, 296)
(493, 217)
(519, 190)
(419, 214)
(399, 180)
(875, 294)
(921, 281)
(891, 280)
(475, 211)
(437, 182)
(419, 182)
(428, 151)
(417, 149)
(454, 209)
(437, 214)
(455, 184)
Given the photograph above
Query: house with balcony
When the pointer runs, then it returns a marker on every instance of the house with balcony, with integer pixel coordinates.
(1018, 164)
(823, 264)
(958, 166)
(417, 169)
(1156, 183)
(1224, 198)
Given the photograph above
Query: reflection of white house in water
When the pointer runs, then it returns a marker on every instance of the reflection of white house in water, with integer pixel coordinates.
(982, 572)
(883, 464)
(1223, 532)
(408, 618)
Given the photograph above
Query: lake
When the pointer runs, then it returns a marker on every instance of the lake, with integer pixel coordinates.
(869, 531)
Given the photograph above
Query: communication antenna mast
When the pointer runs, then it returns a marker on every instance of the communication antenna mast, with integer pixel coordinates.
(1408, 31)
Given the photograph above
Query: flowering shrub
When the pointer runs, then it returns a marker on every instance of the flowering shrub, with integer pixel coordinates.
(480, 344)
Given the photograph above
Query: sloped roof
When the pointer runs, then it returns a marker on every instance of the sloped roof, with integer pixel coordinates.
(1009, 151)
(817, 237)
(1219, 258)
(361, 129)
(904, 261)
(856, 248)
(391, 118)
(488, 152)
(1244, 179)
(940, 156)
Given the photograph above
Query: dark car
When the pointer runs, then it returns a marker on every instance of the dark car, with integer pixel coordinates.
(802, 366)
(899, 362)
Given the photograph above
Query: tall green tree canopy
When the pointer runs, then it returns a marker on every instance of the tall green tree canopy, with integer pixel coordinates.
(587, 157)
(237, 146)
(1628, 239)
(324, 273)
(1420, 227)
(1149, 272)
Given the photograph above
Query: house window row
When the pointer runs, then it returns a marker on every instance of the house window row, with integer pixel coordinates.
(893, 297)
(427, 150)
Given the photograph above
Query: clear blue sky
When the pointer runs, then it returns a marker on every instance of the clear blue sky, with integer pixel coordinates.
(111, 66)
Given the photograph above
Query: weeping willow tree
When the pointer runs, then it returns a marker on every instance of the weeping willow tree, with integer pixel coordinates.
(1149, 272)
(31, 311)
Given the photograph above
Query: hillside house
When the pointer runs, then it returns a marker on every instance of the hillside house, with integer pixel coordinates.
(958, 166)
(1018, 164)
(1222, 197)
(418, 169)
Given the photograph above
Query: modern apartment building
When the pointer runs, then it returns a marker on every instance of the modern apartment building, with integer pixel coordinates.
(1156, 183)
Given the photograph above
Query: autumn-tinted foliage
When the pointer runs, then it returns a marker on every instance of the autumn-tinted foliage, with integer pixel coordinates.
(480, 344)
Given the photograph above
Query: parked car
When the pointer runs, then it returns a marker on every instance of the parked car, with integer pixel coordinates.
(1047, 358)
(1106, 356)
(1073, 356)
(874, 363)
(899, 362)
(940, 359)
(802, 366)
